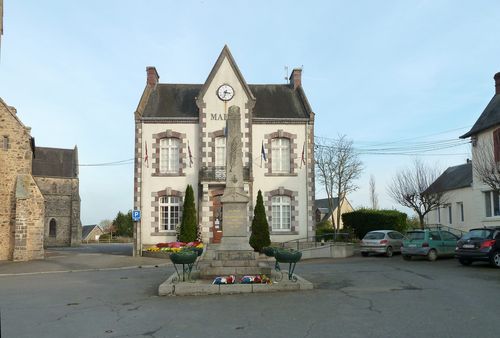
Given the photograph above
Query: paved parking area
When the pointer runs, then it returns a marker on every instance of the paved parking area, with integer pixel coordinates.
(354, 297)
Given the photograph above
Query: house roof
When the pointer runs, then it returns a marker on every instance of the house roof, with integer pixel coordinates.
(54, 162)
(323, 203)
(87, 229)
(456, 177)
(271, 101)
(489, 118)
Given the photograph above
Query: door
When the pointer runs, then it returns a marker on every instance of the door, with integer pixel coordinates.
(450, 241)
(216, 219)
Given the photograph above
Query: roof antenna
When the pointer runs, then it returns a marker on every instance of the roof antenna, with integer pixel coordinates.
(286, 74)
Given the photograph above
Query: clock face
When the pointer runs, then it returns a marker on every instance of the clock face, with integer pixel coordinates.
(225, 92)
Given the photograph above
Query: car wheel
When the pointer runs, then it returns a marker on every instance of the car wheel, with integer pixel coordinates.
(364, 254)
(406, 257)
(495, 259)
(465, 261)
(388, 251)
(432, 255)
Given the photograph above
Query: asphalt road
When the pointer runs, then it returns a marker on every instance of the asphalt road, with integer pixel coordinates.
(355, 297)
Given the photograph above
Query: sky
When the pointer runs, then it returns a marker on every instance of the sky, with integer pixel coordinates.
(393, 76)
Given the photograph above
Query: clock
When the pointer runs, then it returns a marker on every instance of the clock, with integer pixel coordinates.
(225, 92)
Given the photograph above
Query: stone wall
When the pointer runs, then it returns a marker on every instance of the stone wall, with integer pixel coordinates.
(28, 237)
(62, 205)
(15, 159)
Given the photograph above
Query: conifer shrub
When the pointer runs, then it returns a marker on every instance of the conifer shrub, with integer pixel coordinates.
(188, 229)
(259, 237)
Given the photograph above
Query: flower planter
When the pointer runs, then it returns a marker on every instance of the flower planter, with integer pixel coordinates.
(268, 251)
(287, 256)
(183, 257)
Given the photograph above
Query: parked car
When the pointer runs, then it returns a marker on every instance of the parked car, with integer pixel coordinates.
(381, 242)
(432, 243)
(481, 244)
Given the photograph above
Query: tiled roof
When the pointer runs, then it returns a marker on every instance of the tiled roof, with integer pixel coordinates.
(456, 177)
(54, 162)
(489, 118)
(271, 101)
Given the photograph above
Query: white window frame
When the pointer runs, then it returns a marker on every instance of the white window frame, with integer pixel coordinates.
(220, 151)
(438, 215)
(280, 151)
(169, 155)
(450, 213)
(281, 209)
(169, 208)
(494, 210)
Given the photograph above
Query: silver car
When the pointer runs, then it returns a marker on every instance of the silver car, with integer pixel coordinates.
(381, 242)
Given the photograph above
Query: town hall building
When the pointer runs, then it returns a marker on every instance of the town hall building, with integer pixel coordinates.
(180, 139)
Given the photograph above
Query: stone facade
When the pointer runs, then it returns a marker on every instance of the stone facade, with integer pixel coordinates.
(21, 202)
(56, 173)
(193, 117)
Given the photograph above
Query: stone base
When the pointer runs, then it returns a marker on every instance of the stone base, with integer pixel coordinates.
(201, 287)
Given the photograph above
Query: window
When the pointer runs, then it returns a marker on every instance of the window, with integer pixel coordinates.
(169, 155)
(280, 152)
(52, 228)
(281, 213)
(169, 212)
(492, 204)
(448, 236)
(220, 151)
(438, 214)
(5, 143)
(434, 236)
(460, 208)
(450, 219)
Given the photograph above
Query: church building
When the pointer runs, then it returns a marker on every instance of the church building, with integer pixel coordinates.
(180, 139)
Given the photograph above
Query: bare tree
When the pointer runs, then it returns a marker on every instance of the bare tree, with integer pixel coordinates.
(106, 225)
(485, 166)
(410, 189)
(338, 167)
(373, 193)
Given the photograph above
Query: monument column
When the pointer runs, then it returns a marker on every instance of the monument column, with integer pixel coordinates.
(234, 200)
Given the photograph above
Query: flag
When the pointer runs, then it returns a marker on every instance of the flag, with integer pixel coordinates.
(190, 156)
(146, 156)
(303, 159)
(263, 152)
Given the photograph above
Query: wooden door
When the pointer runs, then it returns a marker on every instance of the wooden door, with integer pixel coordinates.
(217, 219)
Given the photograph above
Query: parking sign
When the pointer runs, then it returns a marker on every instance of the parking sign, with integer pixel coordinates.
(136, 215)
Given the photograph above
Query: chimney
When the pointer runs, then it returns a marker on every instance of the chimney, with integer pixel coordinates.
(153, 77)
(497, 83)
(296, 78)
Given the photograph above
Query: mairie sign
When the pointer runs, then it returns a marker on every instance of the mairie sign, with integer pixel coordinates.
(136, 215)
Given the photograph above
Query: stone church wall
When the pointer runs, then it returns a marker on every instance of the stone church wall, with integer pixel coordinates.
(62, 204)
(16, 159)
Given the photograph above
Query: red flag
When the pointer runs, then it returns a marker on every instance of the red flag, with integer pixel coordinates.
(303, 159)
(146, 156)
(190, 156)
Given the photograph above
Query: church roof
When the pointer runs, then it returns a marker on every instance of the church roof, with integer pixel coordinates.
(279, 101)
(489, 118)
(54, 162)
(456, 177)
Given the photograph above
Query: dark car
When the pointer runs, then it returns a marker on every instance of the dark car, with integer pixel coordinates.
(481, 244)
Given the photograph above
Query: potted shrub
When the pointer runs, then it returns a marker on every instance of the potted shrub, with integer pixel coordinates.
(184, 257)
(287, 256)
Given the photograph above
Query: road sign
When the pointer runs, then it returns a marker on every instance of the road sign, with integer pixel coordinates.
(136, 215)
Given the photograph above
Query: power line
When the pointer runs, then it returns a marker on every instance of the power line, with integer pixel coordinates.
(106, 164)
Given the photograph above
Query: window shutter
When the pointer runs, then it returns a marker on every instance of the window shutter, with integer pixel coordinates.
(496, 144)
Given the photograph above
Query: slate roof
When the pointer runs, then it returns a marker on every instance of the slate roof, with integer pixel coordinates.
(54, 162)
(323, 203)
(272, 101)
(489, 118)
(87, 229)
(456, 177)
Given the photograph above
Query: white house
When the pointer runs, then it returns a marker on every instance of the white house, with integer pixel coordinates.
(468, 202)
(180, 140)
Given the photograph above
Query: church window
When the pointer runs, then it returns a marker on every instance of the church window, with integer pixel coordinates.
(169, 155)
(169, 212)
(281, 213)
(280, 148)
(52, 228)
(5, 143)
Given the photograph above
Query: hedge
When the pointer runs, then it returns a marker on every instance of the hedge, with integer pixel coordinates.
(365, 220)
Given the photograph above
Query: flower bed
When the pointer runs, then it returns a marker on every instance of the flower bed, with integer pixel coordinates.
(175, 246)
